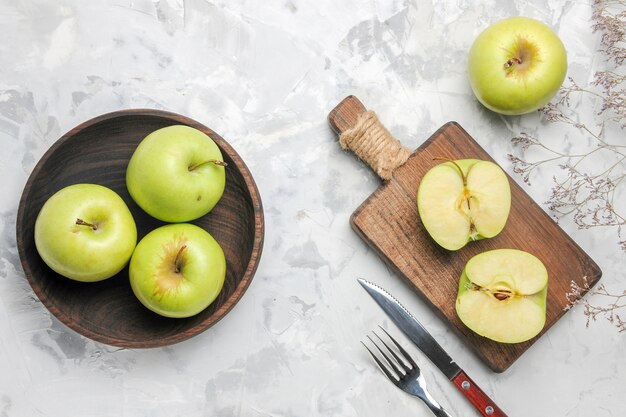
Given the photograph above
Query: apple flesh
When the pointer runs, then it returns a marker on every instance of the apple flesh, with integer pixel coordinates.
(85, 232)
(177, 270)
(176, 174)
(463, 200)
(502, 295)
(516, 65)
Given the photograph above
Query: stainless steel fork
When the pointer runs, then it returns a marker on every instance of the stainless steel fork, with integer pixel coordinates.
(404, 373)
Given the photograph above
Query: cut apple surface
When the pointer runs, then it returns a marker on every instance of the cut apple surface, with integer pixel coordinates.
(502, 295)
(464, 200)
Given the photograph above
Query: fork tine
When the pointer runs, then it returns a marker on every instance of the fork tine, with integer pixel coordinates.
(388, 359)
(381, 365)
(401, 349)
(396, 357)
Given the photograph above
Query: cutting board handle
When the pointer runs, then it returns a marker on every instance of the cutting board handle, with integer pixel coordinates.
(361, 132)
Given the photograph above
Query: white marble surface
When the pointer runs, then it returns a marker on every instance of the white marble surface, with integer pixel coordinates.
(264, 75)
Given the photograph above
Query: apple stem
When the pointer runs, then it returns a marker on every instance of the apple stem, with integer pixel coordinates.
(210, 161)
(81, 222)
(514, 60)
(456, 165)
(178, 261)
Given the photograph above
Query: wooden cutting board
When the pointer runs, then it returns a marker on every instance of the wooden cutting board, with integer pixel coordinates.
(389, 223)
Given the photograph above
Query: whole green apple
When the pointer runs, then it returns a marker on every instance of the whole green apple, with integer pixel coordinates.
(85, 232)
(463, 200)
(177, 270)
(502, 295)
(176, 174)
(516, 65)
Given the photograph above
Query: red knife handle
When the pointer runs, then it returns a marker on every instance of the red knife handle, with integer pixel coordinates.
(476, 396)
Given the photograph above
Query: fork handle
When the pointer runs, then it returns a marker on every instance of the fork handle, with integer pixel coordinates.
(434, 406)
(476, 396)
(437, 410)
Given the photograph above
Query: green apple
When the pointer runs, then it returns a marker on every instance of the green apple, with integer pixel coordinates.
(463, 200)
(85, 232)
(176, 174)
(177, 270)
(502, 295)
(516, 65)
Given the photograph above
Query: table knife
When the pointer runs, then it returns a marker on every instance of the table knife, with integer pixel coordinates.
(414, 330)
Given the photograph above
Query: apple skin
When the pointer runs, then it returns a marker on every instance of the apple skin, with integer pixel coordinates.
(77, 251)
(516, 65)
(177, 270)
(161, 180)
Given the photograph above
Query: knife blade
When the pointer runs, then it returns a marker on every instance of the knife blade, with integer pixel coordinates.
(414, 330)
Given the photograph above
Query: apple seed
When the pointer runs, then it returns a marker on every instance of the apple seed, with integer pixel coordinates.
(501, 296)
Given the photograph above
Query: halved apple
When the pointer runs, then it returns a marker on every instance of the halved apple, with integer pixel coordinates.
(464, 200)
(502, 295)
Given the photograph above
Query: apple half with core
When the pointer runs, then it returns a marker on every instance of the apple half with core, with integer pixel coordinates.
(502, 295)
(463, 200)
(177, 270)
(516, 65)
(176, 174)
(85, 232)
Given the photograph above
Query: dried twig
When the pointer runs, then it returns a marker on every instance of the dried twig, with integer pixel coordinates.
(591, 181)
(592, 312)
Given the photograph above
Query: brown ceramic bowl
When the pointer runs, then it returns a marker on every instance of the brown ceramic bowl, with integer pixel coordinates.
(98, 151)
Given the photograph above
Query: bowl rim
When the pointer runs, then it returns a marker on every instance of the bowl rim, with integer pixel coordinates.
(230, 302)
